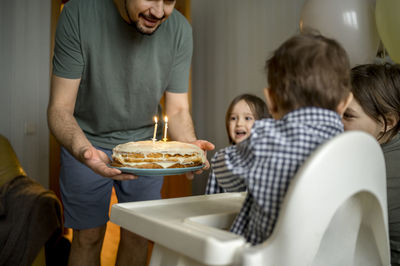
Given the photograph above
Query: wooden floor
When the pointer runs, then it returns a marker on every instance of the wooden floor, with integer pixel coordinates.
(111, 239)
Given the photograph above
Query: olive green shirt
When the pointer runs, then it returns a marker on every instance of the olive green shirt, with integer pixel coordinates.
(123, 72)
(391, 152)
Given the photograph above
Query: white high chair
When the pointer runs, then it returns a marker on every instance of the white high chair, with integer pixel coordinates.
(334, 213)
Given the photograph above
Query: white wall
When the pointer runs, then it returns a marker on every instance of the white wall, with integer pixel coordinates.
(232, 39)
(24, 86)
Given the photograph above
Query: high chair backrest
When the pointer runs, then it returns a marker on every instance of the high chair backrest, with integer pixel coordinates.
(335, 210)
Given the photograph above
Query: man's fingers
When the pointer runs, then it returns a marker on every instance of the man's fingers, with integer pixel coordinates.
(204, 145)
(117, 175)
(206, 165)
(209, 146)
(97, 160)
(124, 177)
(189, 175)
(104, 157)
(114, 173)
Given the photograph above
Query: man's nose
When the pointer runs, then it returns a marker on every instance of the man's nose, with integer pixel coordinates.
(157, 10)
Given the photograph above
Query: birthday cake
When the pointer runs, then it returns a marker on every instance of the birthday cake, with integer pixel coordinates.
(157, 154)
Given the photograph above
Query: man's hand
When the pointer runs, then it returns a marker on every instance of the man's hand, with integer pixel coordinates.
(206, 146)
(97, 160)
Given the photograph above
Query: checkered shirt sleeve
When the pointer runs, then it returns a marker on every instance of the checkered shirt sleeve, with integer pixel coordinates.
(213, 187)
(266, 162)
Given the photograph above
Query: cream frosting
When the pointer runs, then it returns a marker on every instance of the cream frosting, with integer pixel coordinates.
(148, 146)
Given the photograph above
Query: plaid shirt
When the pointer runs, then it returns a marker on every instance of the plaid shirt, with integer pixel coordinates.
(212, 185)
(267, 161)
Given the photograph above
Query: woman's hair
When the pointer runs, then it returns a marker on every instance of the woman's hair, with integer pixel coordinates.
(308, 70)
(257, 106)
(376, 87)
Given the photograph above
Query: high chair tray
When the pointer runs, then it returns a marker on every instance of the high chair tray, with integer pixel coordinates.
(197, 225)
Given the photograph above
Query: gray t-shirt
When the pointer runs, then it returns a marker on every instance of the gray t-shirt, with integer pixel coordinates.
(123, 72)
(391, 152)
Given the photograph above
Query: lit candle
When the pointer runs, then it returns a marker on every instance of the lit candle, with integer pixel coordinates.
(155, 129)
(165, 128)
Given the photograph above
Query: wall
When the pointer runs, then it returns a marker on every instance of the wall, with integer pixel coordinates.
(24, 86)
(232, 39)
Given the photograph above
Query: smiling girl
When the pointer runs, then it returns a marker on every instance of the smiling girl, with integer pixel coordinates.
(242, 112)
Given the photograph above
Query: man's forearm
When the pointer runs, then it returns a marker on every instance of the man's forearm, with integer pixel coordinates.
(67, 131)
(181, 127)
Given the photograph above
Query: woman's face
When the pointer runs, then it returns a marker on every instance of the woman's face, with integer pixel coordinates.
(354, 118)
(241, 120)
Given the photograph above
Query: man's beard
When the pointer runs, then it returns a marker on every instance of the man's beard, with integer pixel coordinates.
(136, 24)
(142, 30)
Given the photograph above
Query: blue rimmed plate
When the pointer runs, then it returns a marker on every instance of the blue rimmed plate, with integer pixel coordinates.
(158, 172)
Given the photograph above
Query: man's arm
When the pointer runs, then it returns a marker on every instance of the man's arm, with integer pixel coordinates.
(66, 130)
(180, 124)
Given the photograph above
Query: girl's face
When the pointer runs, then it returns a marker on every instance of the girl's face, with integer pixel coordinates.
(354, 118)
(241, 120)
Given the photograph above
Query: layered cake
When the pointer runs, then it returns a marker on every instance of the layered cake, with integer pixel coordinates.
(159, 154)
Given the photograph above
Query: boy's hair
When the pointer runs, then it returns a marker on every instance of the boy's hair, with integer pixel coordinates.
(376, 88)
(309, 70)
(257, 106)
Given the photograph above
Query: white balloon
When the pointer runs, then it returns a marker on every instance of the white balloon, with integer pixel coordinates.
(350, 22)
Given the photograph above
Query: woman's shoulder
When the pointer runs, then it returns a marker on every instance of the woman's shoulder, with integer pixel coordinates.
(393, 145)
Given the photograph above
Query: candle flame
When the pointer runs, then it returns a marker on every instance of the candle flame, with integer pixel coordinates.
(166, 118)
(155, 119)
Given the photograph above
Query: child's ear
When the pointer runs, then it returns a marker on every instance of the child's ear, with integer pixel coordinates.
(271, 104)
(344, 104)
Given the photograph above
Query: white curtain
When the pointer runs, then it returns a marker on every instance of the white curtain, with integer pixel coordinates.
(24, 86)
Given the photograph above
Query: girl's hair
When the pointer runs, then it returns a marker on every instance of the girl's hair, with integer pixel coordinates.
(257, 106)
(309, 70)
(376, 87)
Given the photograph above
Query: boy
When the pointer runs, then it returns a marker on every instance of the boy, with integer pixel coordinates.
(309, 78)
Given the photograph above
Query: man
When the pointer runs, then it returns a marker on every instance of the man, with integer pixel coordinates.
(113, 61)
